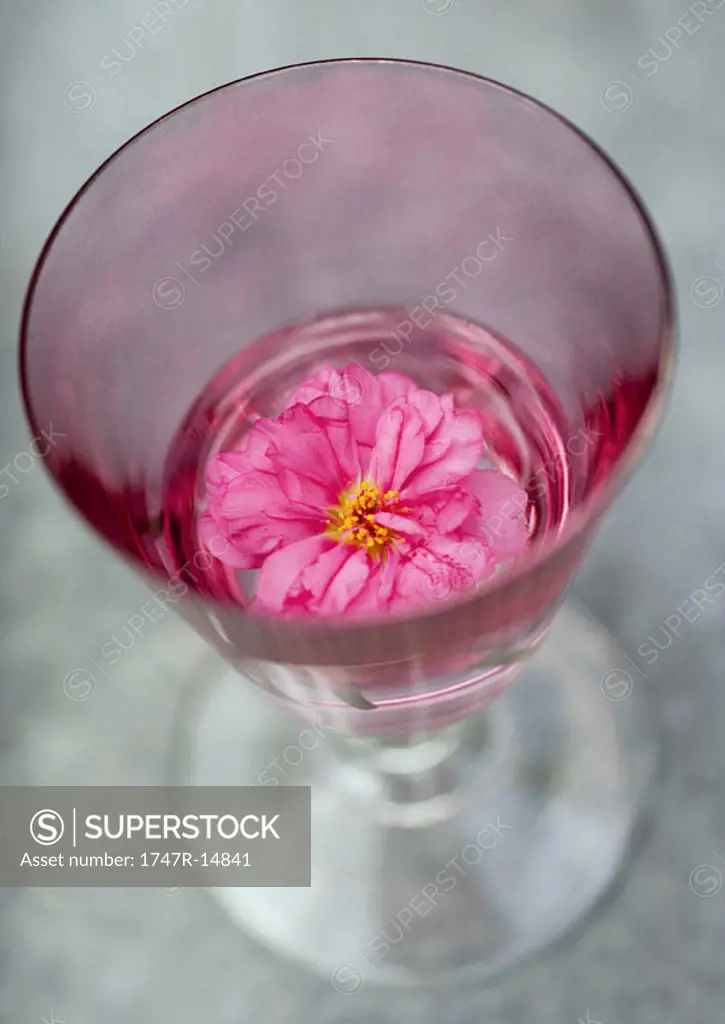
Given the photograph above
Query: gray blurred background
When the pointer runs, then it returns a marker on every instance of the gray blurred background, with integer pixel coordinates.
(646, 78)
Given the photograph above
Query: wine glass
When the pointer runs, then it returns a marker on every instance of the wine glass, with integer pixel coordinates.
(376, 216)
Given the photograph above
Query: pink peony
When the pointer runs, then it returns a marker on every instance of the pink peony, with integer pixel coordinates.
(362, 498)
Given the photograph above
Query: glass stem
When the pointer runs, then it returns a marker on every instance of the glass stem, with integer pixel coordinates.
(414, 779)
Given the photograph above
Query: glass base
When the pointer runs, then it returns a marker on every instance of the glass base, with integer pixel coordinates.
(417, 881)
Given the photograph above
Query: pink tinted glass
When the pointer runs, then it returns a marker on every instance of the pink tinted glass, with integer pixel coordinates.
(321, 188)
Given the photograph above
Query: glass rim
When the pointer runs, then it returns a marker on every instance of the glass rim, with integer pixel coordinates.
(306, 632)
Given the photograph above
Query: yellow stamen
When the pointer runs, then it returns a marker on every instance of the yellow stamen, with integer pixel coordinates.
(352, 520)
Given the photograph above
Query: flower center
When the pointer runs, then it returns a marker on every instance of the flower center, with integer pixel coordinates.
(352, 520)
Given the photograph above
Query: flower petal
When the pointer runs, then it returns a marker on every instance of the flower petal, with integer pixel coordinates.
(452, 452)
(214, 535)
(361, 395)
(248, 495)
(399, 445)
(429, 407)
(246, 545)
(393, 386)
(225, 470)
(378, 594)
(441, 567)
(299, 442)
(283, 569)
(336, 579)
(268, 501)
(401, 524)
(377, 393)
(500, 517)
(316, 386)
(454, 510)
(334, 418)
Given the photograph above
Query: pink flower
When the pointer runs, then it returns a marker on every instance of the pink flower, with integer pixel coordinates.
(363, 497)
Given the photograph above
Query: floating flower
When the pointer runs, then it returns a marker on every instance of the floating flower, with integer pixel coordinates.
(362, 505)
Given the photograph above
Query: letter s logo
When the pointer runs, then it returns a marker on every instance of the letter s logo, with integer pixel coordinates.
(47, 827)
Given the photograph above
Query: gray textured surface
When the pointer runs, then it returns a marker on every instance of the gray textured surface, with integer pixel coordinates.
(105, 956)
